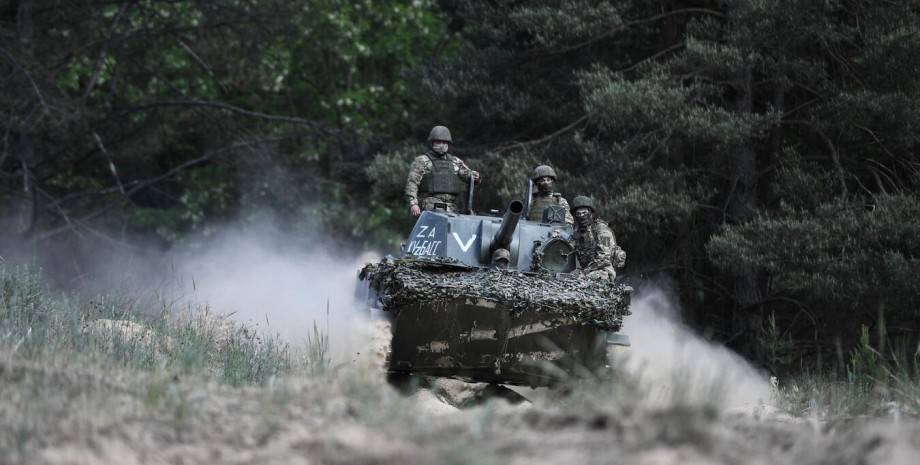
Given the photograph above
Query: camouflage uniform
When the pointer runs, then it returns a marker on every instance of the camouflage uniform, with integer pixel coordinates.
(597, 250)
(543, 178)
(539, 201)
(421, 166)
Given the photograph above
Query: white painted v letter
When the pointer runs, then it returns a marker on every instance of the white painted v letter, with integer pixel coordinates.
(463, 246)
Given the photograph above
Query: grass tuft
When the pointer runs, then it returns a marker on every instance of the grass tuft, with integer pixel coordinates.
(874, 385)
(36, 325)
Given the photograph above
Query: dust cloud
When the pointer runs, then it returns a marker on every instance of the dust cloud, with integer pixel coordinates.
(264, 281)
(269, 280)
(677, 365)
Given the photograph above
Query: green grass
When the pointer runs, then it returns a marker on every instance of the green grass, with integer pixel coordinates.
(875, 384)
(36, 324)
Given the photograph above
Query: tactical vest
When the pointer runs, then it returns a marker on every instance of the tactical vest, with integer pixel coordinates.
(442, 179)
(539, 202)
(586, 243)
(585, 247)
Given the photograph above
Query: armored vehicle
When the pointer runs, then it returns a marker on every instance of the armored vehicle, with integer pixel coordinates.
(494, 299)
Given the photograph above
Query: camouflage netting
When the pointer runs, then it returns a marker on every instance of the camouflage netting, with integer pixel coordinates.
(405, 282)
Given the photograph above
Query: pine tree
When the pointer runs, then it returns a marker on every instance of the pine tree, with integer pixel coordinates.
(708, 132)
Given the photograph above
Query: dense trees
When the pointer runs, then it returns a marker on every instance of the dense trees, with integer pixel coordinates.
(158, 117)
(761, 158)
(760, 155)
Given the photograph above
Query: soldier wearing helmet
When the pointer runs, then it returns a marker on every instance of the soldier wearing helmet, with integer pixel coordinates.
(543, 178)
(594, 242)
(436, 178)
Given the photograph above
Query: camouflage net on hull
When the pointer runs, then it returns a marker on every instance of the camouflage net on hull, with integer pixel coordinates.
(404, 282)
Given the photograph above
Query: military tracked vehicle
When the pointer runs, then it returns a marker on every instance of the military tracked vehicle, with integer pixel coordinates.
(494, 299)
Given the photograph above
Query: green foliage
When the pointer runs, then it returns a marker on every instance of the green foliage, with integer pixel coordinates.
(763, 153)
(357, 50)
(777, 346)
(834, 256)
(168, 116)
(254, 361)
(31, 320)
(874, 383)
(802, 185)
(389, 171)
(863, 369)
(652, 207)
(318, 361)
(621, 108)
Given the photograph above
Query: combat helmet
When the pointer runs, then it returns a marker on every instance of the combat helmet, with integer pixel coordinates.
(581, 201)
(439, 133)
(542, 171)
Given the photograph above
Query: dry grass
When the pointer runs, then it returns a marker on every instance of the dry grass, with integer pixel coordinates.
(202, 390)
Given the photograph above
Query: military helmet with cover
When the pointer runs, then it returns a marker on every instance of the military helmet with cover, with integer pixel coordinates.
(439, 133)
(542, 171)
(581, 201)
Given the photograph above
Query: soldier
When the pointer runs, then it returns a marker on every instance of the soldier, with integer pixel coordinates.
(437, 177)
(543, 178)
(501, 258)
(594, 242)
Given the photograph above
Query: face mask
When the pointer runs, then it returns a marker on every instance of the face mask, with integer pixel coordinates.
(583, 219)
(439, 147)
(544, 186)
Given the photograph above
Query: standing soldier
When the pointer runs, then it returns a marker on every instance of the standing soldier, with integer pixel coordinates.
(437, 177)
(594, 242)
(543, 178)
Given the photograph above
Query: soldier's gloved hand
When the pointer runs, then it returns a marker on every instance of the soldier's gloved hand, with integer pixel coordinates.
(415, 210)
(476, 176)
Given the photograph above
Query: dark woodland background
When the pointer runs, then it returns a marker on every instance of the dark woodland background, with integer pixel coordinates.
(759, 158)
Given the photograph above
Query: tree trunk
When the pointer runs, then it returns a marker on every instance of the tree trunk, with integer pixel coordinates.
(740, 208)
(23, 207)
(774, 147)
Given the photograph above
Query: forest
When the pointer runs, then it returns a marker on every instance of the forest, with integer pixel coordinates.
(759, 159)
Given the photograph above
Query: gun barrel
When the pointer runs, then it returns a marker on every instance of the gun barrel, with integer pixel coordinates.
(505, 233)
